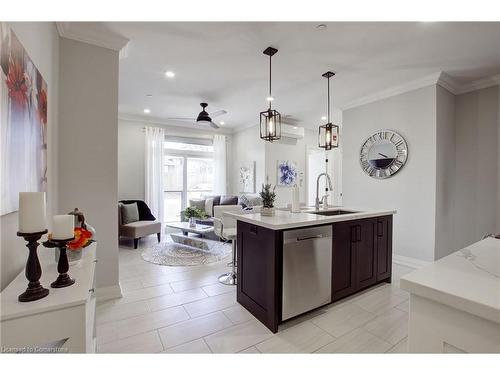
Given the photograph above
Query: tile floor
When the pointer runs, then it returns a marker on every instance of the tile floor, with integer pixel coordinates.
(185, 310)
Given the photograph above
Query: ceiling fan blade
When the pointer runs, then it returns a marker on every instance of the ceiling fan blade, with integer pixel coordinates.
(213, 125)
(190, 119)
(218, 113)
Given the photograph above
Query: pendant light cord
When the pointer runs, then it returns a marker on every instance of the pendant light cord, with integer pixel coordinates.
(328, 99)
(270, 80)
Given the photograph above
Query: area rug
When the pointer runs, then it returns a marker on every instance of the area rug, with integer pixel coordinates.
(178, 254)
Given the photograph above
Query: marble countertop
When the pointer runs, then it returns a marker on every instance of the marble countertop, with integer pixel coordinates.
(468, 280)
(288, 220)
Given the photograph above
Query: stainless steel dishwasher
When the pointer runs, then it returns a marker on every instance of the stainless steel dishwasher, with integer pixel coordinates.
(307, 270)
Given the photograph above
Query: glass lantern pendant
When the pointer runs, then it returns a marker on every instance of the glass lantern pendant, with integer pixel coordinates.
(328, 137)
(270, 119)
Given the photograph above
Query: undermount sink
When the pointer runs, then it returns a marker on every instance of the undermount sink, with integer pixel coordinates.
(332, 212)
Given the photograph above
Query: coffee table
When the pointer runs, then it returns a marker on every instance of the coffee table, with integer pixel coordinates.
(186, 228)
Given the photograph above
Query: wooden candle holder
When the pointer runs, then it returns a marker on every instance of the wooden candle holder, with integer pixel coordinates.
(35, 290)
(63, 280)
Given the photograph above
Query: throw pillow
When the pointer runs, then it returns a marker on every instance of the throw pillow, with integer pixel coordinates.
(243, 201)
(209, 206)
(250, 200)
(198, 203)
(227, 200)
(216, 198)
(130, 213)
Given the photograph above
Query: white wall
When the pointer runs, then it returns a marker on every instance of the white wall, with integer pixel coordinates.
(41, 41)
(131, 154)
(247, 147)
(284, 151)
(445, 172)
(88, 117)
(448, 194)
(412, 191)
(476, 183)
(498, 165)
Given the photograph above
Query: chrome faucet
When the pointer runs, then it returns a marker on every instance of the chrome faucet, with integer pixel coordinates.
(324, 197)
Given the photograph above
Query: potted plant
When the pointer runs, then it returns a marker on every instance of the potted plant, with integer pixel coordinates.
(193, 213)
(268, 197)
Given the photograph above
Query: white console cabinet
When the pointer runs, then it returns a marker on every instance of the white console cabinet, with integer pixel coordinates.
(64, 320)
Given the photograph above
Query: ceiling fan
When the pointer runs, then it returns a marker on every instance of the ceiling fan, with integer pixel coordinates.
(204, 118)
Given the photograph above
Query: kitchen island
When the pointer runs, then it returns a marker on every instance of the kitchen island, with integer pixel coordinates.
(292, 263)
(455, 302)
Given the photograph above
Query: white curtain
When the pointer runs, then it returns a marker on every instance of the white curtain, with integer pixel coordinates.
(155, 137)
(220, 164)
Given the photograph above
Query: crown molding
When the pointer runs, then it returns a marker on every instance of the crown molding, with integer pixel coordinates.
(393, 91)
(480, 84)
(440, 78)
(92, 33)
(162, 122)
(449, 83)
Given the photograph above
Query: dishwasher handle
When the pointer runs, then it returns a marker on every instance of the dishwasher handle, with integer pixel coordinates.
(309, 237)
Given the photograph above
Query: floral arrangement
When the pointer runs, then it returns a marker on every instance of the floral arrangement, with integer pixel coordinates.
(83, 238)
(268, 196)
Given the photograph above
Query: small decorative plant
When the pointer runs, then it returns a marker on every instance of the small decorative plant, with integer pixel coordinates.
(268, 196)
(194, 212)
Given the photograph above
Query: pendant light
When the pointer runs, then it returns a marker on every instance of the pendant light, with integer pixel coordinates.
(329, 133)
(270, 120)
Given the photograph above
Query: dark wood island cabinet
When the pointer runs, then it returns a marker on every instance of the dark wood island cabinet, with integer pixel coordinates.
(361, 256)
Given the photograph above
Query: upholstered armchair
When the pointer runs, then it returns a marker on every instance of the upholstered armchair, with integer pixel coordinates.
(145, 226)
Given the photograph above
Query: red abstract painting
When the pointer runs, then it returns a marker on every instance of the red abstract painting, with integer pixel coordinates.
(23, 122)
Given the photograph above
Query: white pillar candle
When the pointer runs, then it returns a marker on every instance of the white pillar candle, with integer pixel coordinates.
(63, 227)
(32, 217)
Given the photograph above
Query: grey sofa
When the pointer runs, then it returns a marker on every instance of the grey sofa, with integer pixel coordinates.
(146, 225)
(229, 202)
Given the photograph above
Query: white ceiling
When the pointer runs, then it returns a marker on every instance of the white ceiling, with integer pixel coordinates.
(222, 64)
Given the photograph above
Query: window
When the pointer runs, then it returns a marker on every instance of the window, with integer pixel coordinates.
(188, 173)
(176, 145)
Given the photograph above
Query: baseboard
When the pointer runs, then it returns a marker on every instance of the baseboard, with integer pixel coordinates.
(409, 262)
(108, 292)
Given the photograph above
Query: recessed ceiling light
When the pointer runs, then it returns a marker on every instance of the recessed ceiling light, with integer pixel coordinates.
(147, 110)
(170, 74)
(321, 26)
(269, 98)
(221, 122)
(295, 127)
(323, 118)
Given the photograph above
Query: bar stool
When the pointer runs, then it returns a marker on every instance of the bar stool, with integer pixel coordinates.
(227, 234)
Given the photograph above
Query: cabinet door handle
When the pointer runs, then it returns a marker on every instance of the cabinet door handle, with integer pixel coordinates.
(91, 290)
(359, 233)
(353, 233)
(380, 228)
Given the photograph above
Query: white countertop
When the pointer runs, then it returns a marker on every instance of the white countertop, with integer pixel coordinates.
(288, 220)
(468, 280)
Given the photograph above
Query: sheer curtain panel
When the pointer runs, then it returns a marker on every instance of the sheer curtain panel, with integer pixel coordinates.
(220, 164)
(155, 137)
